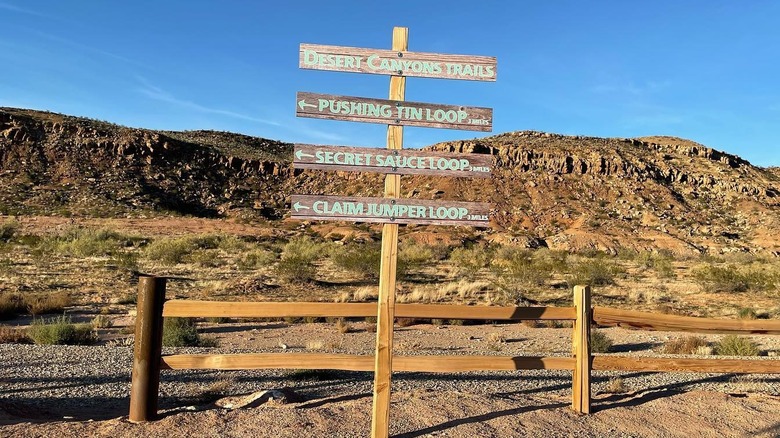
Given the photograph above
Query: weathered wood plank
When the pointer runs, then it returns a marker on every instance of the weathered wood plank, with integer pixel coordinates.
(652, 321)
(348, 362)
(393, 112)
(454, 364)
(399, 162)
(745, 366)
(384, 210)
(391, 62)
(237, 309)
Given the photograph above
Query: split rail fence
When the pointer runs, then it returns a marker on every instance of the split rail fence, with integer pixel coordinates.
(152, 308)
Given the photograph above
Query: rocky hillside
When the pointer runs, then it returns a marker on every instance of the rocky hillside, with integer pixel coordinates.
(568, 192)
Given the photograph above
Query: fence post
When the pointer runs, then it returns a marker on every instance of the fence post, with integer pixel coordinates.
(147, 352)
(582, 357)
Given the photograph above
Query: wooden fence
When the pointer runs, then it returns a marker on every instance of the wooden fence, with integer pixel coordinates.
(152, 307)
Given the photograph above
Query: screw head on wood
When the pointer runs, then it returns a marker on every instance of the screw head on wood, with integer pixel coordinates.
(400, 54)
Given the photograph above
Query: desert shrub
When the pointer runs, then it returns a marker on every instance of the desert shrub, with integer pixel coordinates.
(257, 258)
(343, 327)
(660, 262)
(11, 305)
(593, 272)
(297, 261)
(61, 331)
(747, 313)
(412, 256)
(169, 251)
(469, 262)
(514, 268)
(46, 304)
(13, 335)
(125, 260)
(84, 242)
(685, 345)
(600, 342)
(102, 321)
(206, 259)
(358, 259)
(731, 279)
(615, 385)
(8, 229)
(180, 332)
(405, 322)
(733, 345)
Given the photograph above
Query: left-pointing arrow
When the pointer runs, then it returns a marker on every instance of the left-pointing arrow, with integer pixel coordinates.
(299, 154)
(298, 206)
(302, 104)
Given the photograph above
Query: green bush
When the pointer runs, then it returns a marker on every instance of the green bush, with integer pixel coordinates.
(593, 272)
(61, 331)
(514, 268)
(257, 258)
(180, 332)
(84, 242)
(297, 260)
(469, 262)
(358, 259)
(8, 229)
(412, 256)
(600, 342)
(731, 279)
(169, 251)
(747, 313)
(733, 345)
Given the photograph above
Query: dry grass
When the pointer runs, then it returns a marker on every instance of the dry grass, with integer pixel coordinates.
(46, 304)
(495, 338)
(11, 305)
(343, 327)
(615, 385)
(102, 321)
(733, 345)
(13, 335)
(685, 345)
(315, 345)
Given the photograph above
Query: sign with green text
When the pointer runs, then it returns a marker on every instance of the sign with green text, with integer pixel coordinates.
(392, 112)
(402, 162)
(387, 210)
(389, 62)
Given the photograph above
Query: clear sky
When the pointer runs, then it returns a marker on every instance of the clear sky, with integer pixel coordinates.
(707, 70)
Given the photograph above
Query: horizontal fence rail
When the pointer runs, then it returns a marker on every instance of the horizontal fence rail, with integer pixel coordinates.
(653, 321)
(349, 362)
(712, 365)
(237, 309)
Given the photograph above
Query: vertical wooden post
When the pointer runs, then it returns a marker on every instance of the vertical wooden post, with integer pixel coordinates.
(148, 345)
(582, 357)
(383, 365)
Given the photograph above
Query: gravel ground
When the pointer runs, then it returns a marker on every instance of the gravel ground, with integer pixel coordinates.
(74, 382)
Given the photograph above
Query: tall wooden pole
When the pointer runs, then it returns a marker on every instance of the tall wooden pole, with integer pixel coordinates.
(383, 366)
(582, 355)
(148, 345)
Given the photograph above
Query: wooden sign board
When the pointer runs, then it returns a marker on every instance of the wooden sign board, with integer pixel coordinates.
(391, 211)
(393, 112)
(403, 63)
(401, 162)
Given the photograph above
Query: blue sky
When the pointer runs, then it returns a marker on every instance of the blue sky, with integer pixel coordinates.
(704, 70)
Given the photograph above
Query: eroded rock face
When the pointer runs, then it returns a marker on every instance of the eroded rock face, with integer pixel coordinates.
(564, 192)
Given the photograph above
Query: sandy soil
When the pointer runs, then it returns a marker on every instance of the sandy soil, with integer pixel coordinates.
(429, 413)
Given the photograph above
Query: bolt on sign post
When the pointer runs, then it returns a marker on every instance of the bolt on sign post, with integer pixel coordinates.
(393, 161)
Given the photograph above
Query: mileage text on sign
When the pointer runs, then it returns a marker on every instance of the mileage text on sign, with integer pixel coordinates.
(391, 112)
(403, 161)
(386, 210)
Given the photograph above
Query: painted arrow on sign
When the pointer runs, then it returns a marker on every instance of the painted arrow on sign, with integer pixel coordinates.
(393, 112)
(402, 162)
(394, 211)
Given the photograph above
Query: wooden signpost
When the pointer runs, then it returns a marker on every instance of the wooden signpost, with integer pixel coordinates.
(390, 210)
(402, 162)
